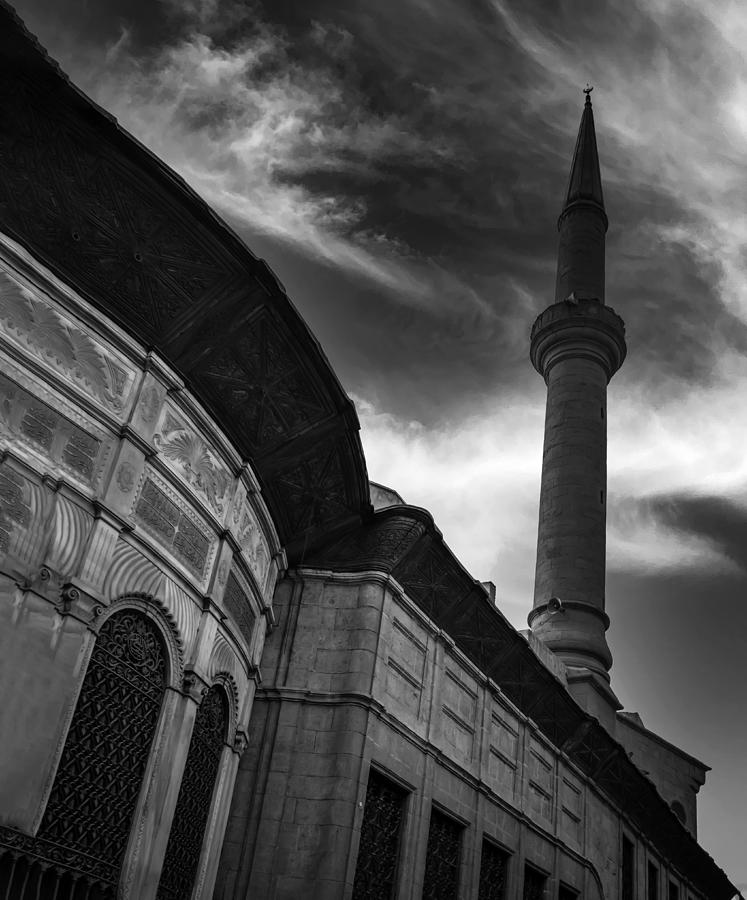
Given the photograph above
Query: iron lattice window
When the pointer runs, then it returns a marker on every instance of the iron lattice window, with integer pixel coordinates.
(195, 796)
(442, 858)
(98, 780)
(534, 884)
(493, 872)
(376, 868)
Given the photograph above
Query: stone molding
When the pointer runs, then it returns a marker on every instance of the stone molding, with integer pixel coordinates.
(581, 329)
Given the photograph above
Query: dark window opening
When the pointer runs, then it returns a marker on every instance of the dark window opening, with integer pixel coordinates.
(628, 869)
(195, 796)
(534, 884)
(442, 858)
(652, 882)
(81, 841)
(493, 872)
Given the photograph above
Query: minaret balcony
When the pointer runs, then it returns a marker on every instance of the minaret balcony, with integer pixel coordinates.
(578, 329)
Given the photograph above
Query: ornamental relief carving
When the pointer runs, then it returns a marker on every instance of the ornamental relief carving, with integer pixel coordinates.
(126, 477)
(192, 458)
(252, 542)
(15, 505)
(30, 323)
(175, 525)
(149, 403)
(25, 419)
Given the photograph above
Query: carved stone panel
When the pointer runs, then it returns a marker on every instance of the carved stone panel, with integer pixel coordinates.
(42, 427)
(168, 517)
(252, 542)
(187, 453)
(30, 322)
(237, 602)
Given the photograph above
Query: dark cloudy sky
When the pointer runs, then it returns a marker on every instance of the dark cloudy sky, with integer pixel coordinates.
(401, 165)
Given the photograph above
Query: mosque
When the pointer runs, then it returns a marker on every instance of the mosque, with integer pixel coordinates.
(233, 668)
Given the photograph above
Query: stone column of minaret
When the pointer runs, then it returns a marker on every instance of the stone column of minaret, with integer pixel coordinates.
(577, 345)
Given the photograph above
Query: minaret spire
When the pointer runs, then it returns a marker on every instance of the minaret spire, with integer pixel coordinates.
(583, 220)
(585, 182)
(577, 345)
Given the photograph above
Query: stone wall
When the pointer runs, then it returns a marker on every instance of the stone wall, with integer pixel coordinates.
(356, 677)
(117, 491)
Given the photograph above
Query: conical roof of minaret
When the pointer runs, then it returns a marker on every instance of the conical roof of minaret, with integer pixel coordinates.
(585, 183)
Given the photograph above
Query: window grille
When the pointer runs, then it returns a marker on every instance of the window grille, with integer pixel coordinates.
(195, 796)
(534, 884)
(493, 872)
(378, 853)
(442, 858)
(83, 836)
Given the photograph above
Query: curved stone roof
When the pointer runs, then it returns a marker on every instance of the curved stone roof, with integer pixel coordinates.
(404, 542)
(110, 219)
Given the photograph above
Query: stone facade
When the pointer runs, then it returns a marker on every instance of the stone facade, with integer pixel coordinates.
(356, 678)
(117, 492)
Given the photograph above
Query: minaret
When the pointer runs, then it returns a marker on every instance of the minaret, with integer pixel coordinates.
(577, 345)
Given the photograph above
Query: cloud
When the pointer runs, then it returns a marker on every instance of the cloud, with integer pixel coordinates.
(479, 480)
(256, 131)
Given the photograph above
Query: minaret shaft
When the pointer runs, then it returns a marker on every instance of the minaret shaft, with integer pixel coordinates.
(571, 543)
(581, 253)
(577, 345)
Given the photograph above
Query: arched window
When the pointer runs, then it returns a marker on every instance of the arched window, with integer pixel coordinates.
(195, 796)
(88, 817)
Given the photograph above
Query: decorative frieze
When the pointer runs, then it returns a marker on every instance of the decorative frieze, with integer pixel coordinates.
(187, 453)
(130, 572)
(32, 324)
(45, 429)
(68, 536)
(246, 528)
(237, 602)
(168, 518)
(15, 505)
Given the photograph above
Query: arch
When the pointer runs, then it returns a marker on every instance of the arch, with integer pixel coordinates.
(153, 608)
(195, 799)
(227, 681)
(89, 813)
